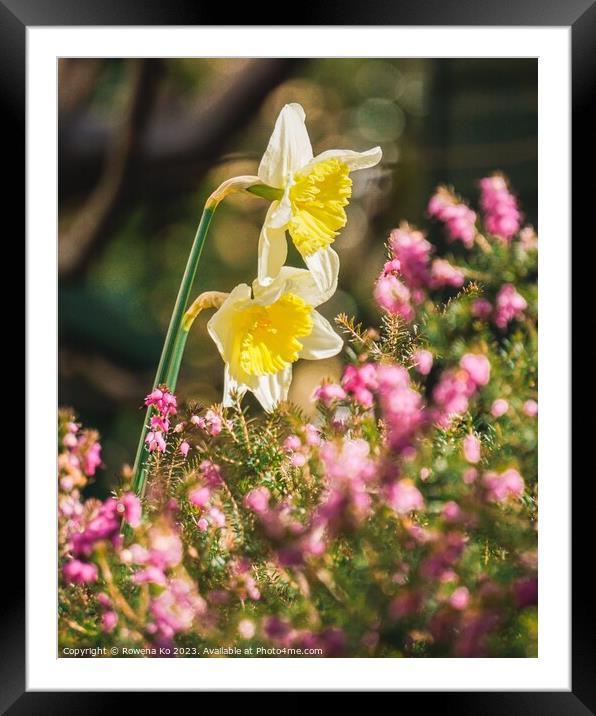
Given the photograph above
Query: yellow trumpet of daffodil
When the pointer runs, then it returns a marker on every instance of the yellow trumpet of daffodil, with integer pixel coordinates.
(311, 194)
(261, 333)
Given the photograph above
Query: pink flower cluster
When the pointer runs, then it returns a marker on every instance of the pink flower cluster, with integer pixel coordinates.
(413, 252)
(212, 422)
(164, 403)
(81, 458)
(457, 385)
(176, 608)
(401, 405)
(360, 383)
(410, 273)
(459, 219)
(502, 217)
(509, 306)
(392, 294)
(104, 523)
(503, 486)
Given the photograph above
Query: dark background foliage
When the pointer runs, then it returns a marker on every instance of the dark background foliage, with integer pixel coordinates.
(143, 142)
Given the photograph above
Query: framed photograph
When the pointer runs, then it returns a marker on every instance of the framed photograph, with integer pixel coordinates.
(283, 289)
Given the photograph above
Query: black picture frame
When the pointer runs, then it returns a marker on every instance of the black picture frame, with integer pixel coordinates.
(579, 15)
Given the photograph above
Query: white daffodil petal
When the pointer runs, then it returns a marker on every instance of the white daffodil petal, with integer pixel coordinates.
(289, 148)
(282, 213)
(231, 386)
(219, 324)
(323, 342)
(324, 266)
(301, 282)
(273, 249)
(271, 389)
(354, 160)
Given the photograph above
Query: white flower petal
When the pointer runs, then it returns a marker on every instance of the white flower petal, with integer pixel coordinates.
(273, 249)
(324, 266)
(354, 160)
(231, 386)
(323, 342)
(219, 325)
(289, 148)
(270, 389)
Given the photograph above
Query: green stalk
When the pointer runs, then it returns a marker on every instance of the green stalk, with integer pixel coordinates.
(173, 347)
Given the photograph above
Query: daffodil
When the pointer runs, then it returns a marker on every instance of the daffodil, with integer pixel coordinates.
(261, 333)
(310, 196)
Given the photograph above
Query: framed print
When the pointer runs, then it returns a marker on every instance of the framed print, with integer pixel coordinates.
(283, 288)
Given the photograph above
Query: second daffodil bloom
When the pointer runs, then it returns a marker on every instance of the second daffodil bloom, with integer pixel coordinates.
(261, 333)
(312, 196)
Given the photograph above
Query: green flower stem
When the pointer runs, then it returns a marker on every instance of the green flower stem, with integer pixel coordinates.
(173, 347)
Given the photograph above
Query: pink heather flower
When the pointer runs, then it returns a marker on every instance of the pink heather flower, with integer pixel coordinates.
(199, 422)
(328, 393)
(184, 448)
(70, 440)
(257, 500)
(471, 447)
(92, 459)
(246, 629)
(424, 473)
(451, 394)
(77, 572)
(393, 296)
(481, 308)
(509, 484)
(211, 473)
(349, 460)
(442, 273)
(176, 608)
(203, 525)
(200, 496)
(155, 441)
(402, 405)
(158, 422)
(292, 443)
(458, 218)
(528, 239)
(413, 252)
(499, 407)
(312, 435)
(477, 367)
(218, 517)
(179, 427)
(104, 600)
(509, 306)
(470, 475)
(501, 213)
(214, 423)
(423, 361)
(131, 506)
(150, 575)
(404, 497)
(451, 511)
(530, 408)
(108, 621)
(163, 400)
(360, 382)
(165, 547)
(298, 459)
(460, 598)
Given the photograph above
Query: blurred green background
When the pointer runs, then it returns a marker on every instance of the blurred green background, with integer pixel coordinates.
(143, 142)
